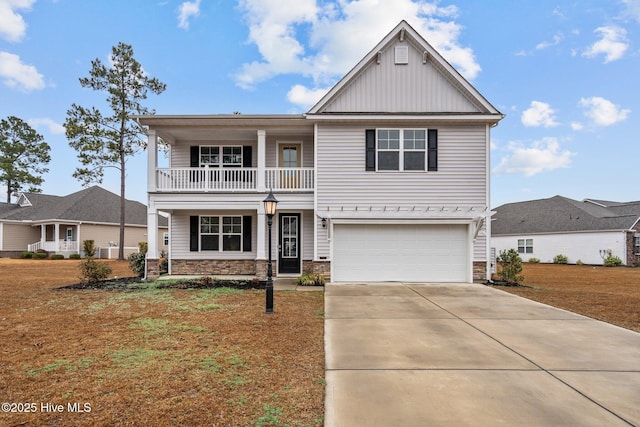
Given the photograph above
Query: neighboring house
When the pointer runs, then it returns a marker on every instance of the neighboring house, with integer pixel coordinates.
(386, 178)
(588, 231)
(59, 224)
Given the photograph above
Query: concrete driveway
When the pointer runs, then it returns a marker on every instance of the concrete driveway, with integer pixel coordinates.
(465, 354)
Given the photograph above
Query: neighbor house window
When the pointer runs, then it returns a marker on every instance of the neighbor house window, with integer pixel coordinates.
(401, 149)
(636, 244)
(165, 239)
(525, 246)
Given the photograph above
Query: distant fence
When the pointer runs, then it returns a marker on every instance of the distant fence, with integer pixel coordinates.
(111, 252)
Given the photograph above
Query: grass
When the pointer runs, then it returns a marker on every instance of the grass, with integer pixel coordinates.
(150, 356)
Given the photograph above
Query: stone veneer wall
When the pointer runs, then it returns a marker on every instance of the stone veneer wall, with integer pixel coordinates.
(153, 269)
(479, 271)
(244, 267)
(322, 267)
(633, 259)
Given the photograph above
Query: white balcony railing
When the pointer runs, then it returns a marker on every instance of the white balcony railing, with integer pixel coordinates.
(233, 179)
(63, 246)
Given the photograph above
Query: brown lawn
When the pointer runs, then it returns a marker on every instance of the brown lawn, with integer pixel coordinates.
(155, 356)
(611, 294)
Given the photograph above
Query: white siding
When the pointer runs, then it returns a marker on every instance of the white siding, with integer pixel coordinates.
(576, 246)
(343, 181)
(413, 88)
(16, 237)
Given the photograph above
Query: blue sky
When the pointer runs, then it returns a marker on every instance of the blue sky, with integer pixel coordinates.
(565, 73)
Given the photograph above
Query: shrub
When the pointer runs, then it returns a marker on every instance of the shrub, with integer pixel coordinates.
(560, 259)
(89, 248)
(612, 261)
(143, 247)
(579, 262)
(136, 263)
(26, 255)
(94, 271)
(39, 255)
(510, 266)
(74, 256)
(311, 279)
(534, 260)
(57, 256)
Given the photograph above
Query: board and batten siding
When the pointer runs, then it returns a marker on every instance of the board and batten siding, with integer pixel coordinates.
(392, 88)
(461, 179)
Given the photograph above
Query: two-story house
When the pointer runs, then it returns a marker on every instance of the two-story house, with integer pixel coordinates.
(386, 178)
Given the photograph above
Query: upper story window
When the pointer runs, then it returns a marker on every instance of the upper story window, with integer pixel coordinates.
(525, 246)
(401, 150)
(211, 156)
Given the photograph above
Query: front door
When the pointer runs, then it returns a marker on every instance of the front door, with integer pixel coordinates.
(289, 244)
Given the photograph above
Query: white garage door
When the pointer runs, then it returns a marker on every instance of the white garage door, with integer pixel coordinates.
(400, 252)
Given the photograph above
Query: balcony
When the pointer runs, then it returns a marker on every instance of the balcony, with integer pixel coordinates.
(234, 179)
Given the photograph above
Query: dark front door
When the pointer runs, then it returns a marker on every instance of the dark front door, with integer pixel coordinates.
(289, 244)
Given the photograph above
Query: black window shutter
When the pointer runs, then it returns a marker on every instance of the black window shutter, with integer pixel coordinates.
(193, 233)
(370, 159)
(246, 156)
(246, 233)
(195, 156)
(432, 145)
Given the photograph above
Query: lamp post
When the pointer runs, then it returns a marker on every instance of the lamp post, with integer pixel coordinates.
(270, 204)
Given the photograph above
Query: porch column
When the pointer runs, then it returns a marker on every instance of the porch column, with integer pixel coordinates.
(152, 160)
(43, 234)
(78, 240)
(56, 237)
(262, 225)
(262, 160)
(152, 231)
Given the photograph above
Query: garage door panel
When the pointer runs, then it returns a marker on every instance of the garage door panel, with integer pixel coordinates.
(400, 252)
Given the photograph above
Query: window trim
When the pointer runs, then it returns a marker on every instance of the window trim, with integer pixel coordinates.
(527, 246)
(221, 233)
(401, 150)
(221, 163)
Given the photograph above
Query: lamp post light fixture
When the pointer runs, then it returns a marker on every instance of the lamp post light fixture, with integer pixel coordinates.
(270, 204)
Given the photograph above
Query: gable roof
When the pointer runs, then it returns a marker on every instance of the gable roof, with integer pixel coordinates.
(93, 204)
(431, 73)
(561, 214)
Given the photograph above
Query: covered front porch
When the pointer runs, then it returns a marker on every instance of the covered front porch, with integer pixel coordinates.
(57, 237)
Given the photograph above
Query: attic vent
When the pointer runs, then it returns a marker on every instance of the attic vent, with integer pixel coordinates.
(402, 54)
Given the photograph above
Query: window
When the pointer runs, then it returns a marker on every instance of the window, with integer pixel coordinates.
(165, 239)
(525, 246)
(209, 156)
(231, 233)
(232, 156)
(209, 233)
(636, 244)
(401, 149)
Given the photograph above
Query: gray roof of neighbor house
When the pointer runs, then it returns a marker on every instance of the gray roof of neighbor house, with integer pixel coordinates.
(93, 204)
(561, 214)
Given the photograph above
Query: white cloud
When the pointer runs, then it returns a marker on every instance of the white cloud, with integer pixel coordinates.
(612, 45)
(602, 111)
(557, 38)
(576, 126)
(187, 10)
(305, 97)
(541, 156)
(539, 114)
(50, 124)
(12, 25)
(632, 9)
(324, 41)
(16, 74)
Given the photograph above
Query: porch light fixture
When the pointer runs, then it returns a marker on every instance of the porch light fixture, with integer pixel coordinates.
(270, 204)
(324, 222)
